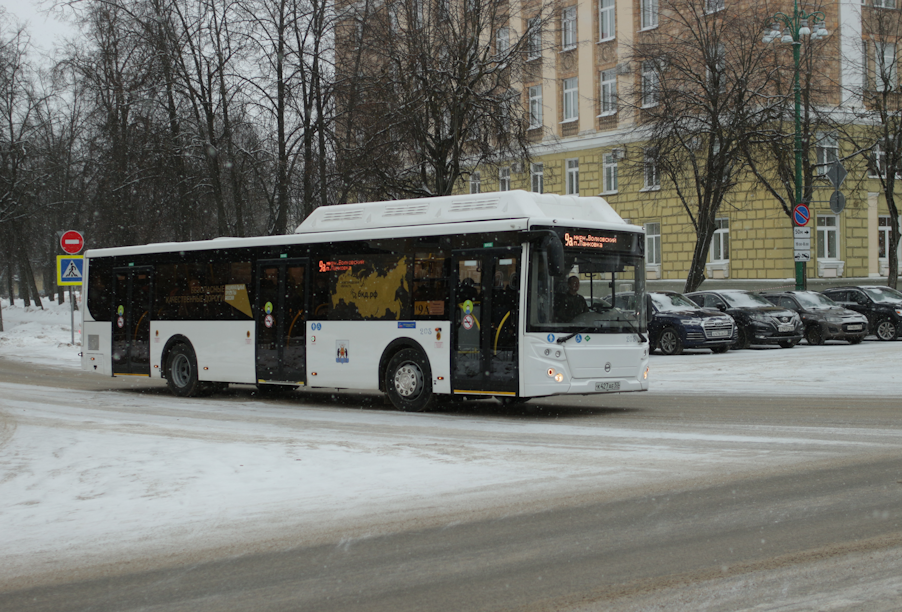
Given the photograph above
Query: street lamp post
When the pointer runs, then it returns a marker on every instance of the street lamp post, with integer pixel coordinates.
(794, 29)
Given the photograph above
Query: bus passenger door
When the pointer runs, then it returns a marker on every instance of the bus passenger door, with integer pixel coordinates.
(281, 315)
(485, 301)
(132, 295)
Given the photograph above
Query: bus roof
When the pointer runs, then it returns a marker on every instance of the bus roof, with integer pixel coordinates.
(500, 205)
(486, 212)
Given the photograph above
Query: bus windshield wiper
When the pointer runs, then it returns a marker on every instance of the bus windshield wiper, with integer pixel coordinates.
(563, 339)
(633, 327)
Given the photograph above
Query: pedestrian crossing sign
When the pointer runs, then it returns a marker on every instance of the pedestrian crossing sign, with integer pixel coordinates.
(70, 270)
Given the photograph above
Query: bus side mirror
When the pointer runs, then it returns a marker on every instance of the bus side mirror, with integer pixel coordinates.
(552, 245)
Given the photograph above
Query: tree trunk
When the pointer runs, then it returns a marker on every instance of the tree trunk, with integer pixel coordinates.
(9, 281)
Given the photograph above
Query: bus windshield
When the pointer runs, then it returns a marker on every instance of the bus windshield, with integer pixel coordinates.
(598, 292)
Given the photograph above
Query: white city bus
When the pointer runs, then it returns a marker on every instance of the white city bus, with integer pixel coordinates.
(469, 295)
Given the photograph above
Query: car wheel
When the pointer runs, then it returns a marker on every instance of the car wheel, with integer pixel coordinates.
(669, 342)
(814, 335)
(886, 330)
(181, 372)
(721, 349)
(742, 339)
(408, 381)
(788, 343)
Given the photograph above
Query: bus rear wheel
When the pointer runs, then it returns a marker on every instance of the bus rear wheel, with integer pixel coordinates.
(408, 381)
(181, 372)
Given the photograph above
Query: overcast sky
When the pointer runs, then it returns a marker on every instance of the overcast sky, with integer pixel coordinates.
(44, 30)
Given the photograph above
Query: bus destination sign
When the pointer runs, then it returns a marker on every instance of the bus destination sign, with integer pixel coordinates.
(589, 240)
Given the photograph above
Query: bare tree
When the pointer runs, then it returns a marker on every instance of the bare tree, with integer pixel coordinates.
(702, 91)
(876, 128)
(429, 92)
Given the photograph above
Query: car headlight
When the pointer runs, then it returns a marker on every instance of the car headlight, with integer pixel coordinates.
(899, 312)
(760, 318)
(834, 320)
(694, 322)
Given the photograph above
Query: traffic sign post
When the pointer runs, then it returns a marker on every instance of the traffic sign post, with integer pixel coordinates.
(72, 242)
(800, 217)
(70, 272)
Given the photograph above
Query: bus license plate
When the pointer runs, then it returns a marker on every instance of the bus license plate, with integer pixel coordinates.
(607, 386)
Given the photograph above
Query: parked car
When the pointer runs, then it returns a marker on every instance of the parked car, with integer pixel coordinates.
(881, 305)
(822, 318)
(757, 320)
(676, 323)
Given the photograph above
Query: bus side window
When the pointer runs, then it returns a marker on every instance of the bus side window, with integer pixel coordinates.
(430, 286)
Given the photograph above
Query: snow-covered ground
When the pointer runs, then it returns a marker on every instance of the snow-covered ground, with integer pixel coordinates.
(871, 368)
(96, 476)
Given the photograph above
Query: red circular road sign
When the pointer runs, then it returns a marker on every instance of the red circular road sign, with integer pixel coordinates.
(72, 242)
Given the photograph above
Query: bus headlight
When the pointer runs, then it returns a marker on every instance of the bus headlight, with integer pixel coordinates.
(551, 372)
(645, 375)
(559, 377)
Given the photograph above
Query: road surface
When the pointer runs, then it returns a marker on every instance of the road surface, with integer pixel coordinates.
(731, 503)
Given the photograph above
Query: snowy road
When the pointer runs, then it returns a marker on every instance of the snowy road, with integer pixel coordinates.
(112, 477)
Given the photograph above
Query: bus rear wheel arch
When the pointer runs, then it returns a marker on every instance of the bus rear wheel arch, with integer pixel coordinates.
(408, 381)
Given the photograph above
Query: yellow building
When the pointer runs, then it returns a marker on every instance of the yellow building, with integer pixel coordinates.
(579, 134)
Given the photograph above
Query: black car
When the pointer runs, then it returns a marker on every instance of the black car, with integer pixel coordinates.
(822, 318)
(676, 323)
(757, 320)
(881, 305)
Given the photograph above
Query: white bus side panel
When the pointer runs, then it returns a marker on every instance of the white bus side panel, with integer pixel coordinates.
(346, 354)
(225, 349)
(97, 339)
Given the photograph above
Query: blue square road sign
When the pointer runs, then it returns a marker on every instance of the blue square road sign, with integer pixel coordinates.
(70, 270)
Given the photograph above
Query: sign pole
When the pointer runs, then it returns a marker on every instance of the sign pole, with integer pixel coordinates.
(72, 243)
(72, 316)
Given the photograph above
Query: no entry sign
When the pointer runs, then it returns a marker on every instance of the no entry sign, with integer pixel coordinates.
(72, 242)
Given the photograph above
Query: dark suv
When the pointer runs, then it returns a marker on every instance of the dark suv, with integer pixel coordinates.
(757, 320)
(822, 318)
(675, 323)
(881, 305)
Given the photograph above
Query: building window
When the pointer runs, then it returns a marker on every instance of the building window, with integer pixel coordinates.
(571, 99)
(712, 6)
(652, 178)
(720, 244)
(504, 178)
(827, 152)
(534, 38)
(653, 244)
(502, 42)
(649, 84)
(609, 169)
(475, 183)
(608, 95)
(890, 4)
(885, 66)
(877, 164)
(607, 24)
(568, 28)
(884, 227)
(648, 13)
(535, 106)
(573, 177)
(827, 237)
(537, 178)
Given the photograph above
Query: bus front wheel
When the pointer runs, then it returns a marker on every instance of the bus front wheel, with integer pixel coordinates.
(181, 372)
(408, 381)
